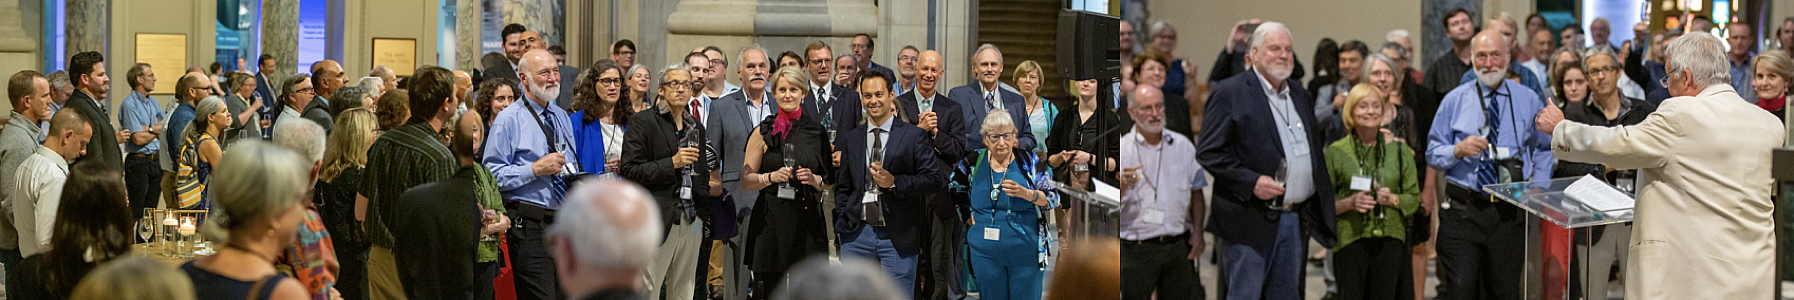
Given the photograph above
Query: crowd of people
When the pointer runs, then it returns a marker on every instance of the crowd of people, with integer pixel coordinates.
(609, 181)
(1383, 163)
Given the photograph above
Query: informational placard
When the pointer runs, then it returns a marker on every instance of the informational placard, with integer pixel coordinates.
(399, 54)
(166, 52)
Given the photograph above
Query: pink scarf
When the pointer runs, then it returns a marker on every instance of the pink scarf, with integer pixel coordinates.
(782, 125)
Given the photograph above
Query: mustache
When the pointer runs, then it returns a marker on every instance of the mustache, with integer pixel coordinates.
(756, 77)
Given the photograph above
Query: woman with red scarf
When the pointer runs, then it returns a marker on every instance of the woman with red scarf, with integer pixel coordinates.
(786, 157)
(1771, 74)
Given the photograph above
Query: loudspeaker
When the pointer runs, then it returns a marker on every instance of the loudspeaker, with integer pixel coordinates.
(1089, 45)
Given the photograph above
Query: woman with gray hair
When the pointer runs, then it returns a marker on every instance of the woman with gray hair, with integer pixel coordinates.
(1008, 194)
(638, 79)
(244, 104)
(261, 202)
(374, 85)
(200, 153)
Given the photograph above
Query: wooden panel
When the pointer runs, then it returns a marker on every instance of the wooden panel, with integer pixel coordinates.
(398, 54)
(163, 51)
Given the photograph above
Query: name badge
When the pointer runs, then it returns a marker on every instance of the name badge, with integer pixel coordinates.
(992, 234)
(1503, 152)
(1153, 216)
(1361, 183)
(869, 197)
(787, 192)
(685, 193)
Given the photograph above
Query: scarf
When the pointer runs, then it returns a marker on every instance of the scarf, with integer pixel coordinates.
(1773, 104)
(782, 125)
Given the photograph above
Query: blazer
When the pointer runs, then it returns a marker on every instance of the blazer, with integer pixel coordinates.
(438, 237)
(947, 145)
(1239, 142)
(103, 147)
(727, 131)
(317, 112)
(1703, 227)
(909, 158)
(266, 90)
(971, 99)
(569, 78)
(846, 106)
(648, 148)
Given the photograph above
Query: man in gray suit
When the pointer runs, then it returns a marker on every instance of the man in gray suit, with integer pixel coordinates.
(733, 118)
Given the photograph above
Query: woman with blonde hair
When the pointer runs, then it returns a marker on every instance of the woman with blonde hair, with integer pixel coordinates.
(1772, 74)
(1378, 188)
(134, 278)
(338, 205)
(788, 223)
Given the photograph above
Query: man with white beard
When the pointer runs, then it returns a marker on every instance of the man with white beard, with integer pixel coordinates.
(527, 151)
(1483, 135)
(1254, 127)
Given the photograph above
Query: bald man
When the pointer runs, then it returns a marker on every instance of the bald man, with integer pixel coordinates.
(944, 121)
(527, 152)
(327, 77)
(463, 82)
(1481, 243)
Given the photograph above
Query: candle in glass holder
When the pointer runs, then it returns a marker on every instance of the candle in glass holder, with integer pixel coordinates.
(187, 227)
(186, 244)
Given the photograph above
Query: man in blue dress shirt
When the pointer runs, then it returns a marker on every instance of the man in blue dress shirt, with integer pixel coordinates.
(140, 115)
(1484, 135)
(526, 150)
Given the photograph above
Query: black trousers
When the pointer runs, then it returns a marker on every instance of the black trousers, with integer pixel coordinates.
(532, 269)
(1159, 265)
(483, 273)
(352, 271)
(143, 183)
(1482, 248)
(1374, 268)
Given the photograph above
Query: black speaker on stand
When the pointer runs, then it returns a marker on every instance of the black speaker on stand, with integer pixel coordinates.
(1089, 47)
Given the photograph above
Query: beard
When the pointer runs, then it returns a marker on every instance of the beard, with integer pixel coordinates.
(548, 91)
(1279, 73)
(1491, 77)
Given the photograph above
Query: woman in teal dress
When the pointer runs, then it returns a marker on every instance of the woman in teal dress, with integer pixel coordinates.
(1004, 232)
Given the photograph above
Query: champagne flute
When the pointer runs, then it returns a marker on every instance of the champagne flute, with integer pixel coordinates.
(790, 162)
(877, 158)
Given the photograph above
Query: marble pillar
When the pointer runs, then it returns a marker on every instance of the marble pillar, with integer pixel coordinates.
(280, 36)
(87, 22)
(467, 34)
(18, 51)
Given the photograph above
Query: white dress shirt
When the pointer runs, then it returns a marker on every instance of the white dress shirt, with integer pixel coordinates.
(1298, 181)
(1169, 173)
(36, 193)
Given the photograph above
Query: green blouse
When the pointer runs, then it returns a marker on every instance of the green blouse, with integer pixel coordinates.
(487, 189)
(1390, 164)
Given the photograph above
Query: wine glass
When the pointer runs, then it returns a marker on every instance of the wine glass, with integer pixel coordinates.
(877, 158)
(145, 228)
(1282, 175)
(790, 161)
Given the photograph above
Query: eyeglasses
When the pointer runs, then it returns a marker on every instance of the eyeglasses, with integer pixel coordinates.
(717, 62)
(1001, 136)
(819, 61)
(906, 58)
(626, 53)
(609, 81)
(680, 85)
(305, 90)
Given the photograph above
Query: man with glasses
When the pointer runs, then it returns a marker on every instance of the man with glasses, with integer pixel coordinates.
(140, 115)
(623, 52)
(1272, 192)
(1162, 219)
(1504, 26)
(303, 103)
(719, 84)
(188, 91)
(838, 105)
(906, 69)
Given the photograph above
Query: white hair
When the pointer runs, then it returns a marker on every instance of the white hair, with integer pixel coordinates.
(383, 72)
(1395, 34)
(1258, 36)
(371, 84)
(611, 224)
(996, 119)
(661, 106)
(853, 279)
(1701, 54)
(306, 138)
(255, 181)
(741, 55)
(987, 46)
(1161, 25)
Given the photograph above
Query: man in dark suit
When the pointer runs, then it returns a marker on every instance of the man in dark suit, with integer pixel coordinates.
(569, 74)
(1255, 121)
(87, 70)
(978, 98)
(732, 119)
(264, 87)
(838, 105)
(862, 55)
(888, 168)
(514, 46)
(944, 122)
(437, 239)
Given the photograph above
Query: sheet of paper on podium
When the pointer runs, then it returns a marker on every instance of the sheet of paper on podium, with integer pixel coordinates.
(1599, 196)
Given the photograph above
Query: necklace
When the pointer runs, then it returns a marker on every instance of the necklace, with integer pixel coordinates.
(996, 183)
(259, 256)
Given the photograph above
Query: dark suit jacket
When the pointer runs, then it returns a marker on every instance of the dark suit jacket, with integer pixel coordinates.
(437, 238)
(1238, 143)
(845, 106)
(569, 75)
(728, 130)
(909, 158)
(316, 112)
(103, 147)
(948, 145)
(971, 99)
(890, 75)
(648, 148)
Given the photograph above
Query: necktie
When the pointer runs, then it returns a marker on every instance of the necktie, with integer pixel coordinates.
(990, 102)
(873, 212)
(697, 108)
(1488, 173)
(555, 183)
(927, 104)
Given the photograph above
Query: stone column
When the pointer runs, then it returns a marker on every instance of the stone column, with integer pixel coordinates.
(18, 51)
(467, 34)
(87, 22)
(280, 35)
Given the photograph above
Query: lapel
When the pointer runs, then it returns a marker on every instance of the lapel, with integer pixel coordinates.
(1257, 104)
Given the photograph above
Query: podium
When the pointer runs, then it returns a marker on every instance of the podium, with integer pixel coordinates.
(1576, 265)
(1092, 213)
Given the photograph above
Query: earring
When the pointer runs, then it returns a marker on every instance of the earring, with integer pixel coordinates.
(270, 233)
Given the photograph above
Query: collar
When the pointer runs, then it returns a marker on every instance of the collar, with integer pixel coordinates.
(1139, 139)
(1265, 84)
(1484, 91)
(930, 98)
(140, 97)
(826, 88)
(61, 163)
(886, 125)
(31, 127)
(1716, 89)
(283, 110)
(982, 91)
